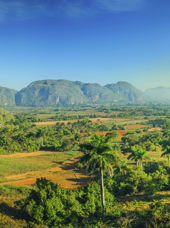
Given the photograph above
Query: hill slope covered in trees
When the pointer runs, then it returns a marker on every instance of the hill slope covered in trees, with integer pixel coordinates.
(7, 96)
(64, 92)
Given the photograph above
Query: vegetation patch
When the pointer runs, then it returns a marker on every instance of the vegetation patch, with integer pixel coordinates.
(13, 167)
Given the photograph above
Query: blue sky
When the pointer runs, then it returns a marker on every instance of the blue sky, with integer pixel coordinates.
(93, 41)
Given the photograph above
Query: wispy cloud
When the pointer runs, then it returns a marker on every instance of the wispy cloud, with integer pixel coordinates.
(119, 5)
(25, 9)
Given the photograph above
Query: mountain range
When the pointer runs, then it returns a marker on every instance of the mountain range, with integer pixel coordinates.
(52, 93)
(158, 94)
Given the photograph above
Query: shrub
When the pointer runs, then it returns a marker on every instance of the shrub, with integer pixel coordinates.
(156, 181)
(54, 206)
(51, 205)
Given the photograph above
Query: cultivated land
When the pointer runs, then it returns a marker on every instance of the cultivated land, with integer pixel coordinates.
(58, 167)
(56, 155)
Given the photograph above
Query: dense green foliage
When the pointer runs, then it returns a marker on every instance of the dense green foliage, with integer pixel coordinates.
(20, 135)
(134, 196)
(54, 206)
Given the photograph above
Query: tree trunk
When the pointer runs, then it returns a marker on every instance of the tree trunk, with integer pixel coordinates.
(168, 160)
(136, 163)
(102, 189)
(122, 178)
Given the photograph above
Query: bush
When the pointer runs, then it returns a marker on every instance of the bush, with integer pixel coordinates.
(156, 181)
(52, 205)
(124, 184)
(91, 198)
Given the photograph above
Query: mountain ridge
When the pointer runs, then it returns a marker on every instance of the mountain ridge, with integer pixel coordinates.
(51, 93)
(160, 93)
(65, 92)
(7, 96)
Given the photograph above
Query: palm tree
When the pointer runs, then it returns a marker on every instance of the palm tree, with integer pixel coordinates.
(40, 133)
(166, 153)
(166, 133)
(98, 155)
(123, 169)
(137, 154)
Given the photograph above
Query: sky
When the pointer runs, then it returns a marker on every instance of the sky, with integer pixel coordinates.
(93, 41)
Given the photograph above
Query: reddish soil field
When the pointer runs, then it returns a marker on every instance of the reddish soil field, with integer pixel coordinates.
(120, 132)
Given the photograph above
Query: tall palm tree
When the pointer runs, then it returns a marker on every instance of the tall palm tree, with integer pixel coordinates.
(123, 169)
(137, 154)
(98, 155)
(40, 133)
(166, 153)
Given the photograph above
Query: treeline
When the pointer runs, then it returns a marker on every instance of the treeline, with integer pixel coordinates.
(103, 112)
(20, 135)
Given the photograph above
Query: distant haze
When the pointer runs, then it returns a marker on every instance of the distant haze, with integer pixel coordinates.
(159, 93)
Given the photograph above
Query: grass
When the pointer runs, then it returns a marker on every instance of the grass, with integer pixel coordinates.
(15, 167)
(19, 165)
(14, 191)
(41, 162)
(11, 216)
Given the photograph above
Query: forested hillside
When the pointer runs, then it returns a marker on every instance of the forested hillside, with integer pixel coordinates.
(5, 116)
(7, 96)
(52, 93)
(64, 92)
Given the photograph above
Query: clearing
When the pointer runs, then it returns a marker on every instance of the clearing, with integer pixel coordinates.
(64, 174)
